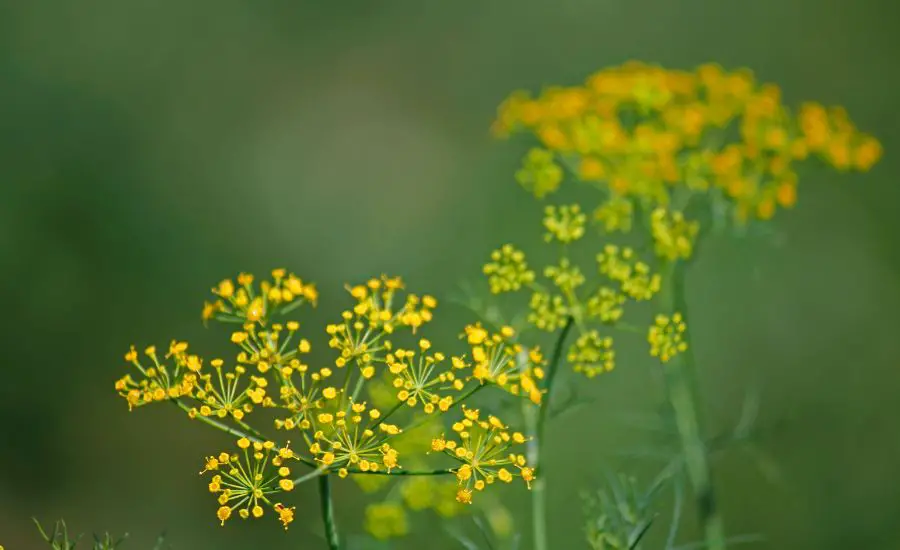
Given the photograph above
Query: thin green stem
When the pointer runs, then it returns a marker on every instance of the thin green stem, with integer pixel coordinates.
(680, 375)
(552, 370)
(331, 532)
(535, 420)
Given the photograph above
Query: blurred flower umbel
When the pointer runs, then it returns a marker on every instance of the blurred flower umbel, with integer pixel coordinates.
(654, 136)
(386, 520)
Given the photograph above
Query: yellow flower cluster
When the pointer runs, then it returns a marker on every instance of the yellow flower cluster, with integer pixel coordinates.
(673, 235)
(564, 224)
(497, 360)
(160, 382)
(245, 482)
(245, 303)
(386, 520)
(326, 406)
(645, 134)
(507, 271)
(634, 277)
(624, 278)
(666, 337)
(592, 354)
(540, 174)
(483, 448)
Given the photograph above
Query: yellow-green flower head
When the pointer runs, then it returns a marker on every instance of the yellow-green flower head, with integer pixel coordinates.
(371, 484)
(606, 305)
(539, 173)
(673, 235)
(666, 337)
(419, 492)
(566, 276)
(246, 481)
(386, 520)
(634, 276)
(508, 271)
(548, 311)
(592, 354)
(501, 520)
(564, 224)
(615, 214)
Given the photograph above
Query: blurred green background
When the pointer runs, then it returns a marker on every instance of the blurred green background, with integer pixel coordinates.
(151, 148)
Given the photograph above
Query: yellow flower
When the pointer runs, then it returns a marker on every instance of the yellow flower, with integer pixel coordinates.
(592, 354)
(245, 483)
(564, 224)
(666, 337)
(483, 450)
(386, 520)
(673, 235)
(644, 135)
(507, 271)
(539, 173)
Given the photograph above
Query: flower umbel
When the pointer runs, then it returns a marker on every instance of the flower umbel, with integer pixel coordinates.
(246, 481)
(483, 448)
(666, 337)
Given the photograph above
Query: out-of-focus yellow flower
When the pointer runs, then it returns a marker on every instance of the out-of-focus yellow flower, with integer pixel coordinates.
(666, 337)
(386, 520)
(507, 271)
(644, 133)
(540, 173)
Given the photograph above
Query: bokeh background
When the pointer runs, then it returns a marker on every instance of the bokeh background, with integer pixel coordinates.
(150, 148)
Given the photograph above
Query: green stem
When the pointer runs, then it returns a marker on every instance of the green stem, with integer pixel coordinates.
(535, 420)
(331, 533)
(680, 375)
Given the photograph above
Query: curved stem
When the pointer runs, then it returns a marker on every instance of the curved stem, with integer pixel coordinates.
(535, 420)
(552, 370)
(331, 532)
(683, 395)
